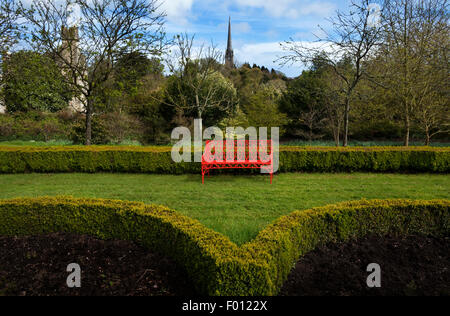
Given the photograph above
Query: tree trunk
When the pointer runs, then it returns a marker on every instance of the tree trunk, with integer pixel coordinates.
(200, 123)
(407, 125)
(337, 136)
(346, 120)
(88, 123)
(335, 128)
(310, 136)
(427, 137)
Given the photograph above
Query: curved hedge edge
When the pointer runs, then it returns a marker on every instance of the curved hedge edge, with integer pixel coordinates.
(192, 245)
(215, 265)
(282, 243)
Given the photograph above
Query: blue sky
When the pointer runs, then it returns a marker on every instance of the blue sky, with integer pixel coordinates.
(258, 26)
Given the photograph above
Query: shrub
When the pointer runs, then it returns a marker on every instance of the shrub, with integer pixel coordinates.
(215, 265)
(6, 127)
(121, 126)
(158, 160)
(36, 126)
(99, 131)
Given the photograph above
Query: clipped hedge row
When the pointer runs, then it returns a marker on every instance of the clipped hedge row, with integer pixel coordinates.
(214, 264)
(158, 159)
(368, 159)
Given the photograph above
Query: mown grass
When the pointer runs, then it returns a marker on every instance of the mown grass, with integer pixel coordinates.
(237, 206)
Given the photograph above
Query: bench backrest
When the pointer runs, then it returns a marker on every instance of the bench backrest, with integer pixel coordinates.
(238, 151)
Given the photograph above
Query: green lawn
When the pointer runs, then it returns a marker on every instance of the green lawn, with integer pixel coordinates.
(237, 206)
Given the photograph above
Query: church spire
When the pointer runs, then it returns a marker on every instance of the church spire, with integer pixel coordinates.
(229, 54)
(229, 46)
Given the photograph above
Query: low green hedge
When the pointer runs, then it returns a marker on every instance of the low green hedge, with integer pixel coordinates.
(214, 264)
(158, 159)
(157, 227)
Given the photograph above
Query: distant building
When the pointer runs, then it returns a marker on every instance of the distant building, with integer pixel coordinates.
(229, 54)
(71, 56)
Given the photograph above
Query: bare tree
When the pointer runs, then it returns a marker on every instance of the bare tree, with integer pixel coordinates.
(433, 115)
(334, 106)
(432, 88)
(354, 37)
(9, 14)
(416, 34)
(9, 35)
(197, 84)
(312, 118)
(87, 37)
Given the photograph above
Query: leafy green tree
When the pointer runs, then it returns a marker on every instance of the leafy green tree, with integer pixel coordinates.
(204, 94)
(34, 82)
(249, 81)
(155, 116)
(263, 111)
(237, 118)
(132, 68)
(304, 102)
(134, 74)
(196, 86)
(374, 114)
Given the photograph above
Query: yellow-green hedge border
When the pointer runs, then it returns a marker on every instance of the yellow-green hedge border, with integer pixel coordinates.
(158, 159)
(214, 264)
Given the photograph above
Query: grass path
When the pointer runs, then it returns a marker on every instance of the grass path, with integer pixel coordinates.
(237, 206)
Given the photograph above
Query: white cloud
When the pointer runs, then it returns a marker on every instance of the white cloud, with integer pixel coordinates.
(318, 8)
(236, 28)
(242, 27)
(75, 14)
(266, 54)
(291, 9)
(177, 11)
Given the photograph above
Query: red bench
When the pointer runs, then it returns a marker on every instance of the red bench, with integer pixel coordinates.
(246, 155)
